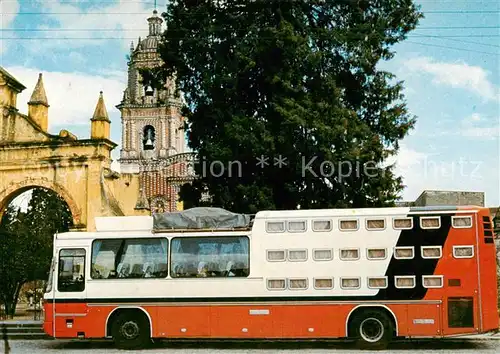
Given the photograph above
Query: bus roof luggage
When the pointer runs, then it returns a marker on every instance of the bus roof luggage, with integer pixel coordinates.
(201, 218)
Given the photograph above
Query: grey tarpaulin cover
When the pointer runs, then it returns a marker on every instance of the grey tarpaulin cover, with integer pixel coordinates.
(200, 218)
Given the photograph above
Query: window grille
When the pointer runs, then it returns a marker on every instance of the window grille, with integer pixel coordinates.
(276, 284)
(461, 222)
(463, 251)
(322, 225)
(403, 223)
(376, 253)
(297, 255)
(430, 222)
(275, 255)
(377, 283)
(375, 224)
(404, 252)
(349, 254)
(405, 282)
(323, 283)
(296, 226)
(350, 283)
(431, 252)
(348, 225)
(297, 284)
(323, 255)
(432, 281)
(275, 226)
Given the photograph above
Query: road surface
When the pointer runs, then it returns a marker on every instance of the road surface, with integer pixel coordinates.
(84, 347)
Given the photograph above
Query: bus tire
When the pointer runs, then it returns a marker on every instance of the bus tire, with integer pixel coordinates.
(372, 329)
(130, 330)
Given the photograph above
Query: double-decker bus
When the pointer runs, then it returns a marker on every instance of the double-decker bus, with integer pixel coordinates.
(370, 275)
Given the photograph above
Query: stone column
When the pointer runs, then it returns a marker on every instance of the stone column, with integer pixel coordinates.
(163, 138)
(133, 139)
(128, 136)
(178, 139)
(124, 135)
(170, 131)
(163, 135)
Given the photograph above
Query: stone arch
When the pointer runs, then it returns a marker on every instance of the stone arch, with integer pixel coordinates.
(148, 136)
(16, 188)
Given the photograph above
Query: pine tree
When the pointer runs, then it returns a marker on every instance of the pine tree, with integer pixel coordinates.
(291, 80)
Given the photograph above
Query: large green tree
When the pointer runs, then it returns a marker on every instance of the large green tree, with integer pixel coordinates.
(26, 240)
(296, 80)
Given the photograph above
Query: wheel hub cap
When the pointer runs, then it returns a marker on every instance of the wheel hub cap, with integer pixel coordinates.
(371, 330)
(130, 330)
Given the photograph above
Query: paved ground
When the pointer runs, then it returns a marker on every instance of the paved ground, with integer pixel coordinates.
(76, 347)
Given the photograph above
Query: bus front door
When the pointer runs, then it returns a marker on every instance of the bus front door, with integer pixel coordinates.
(70, 292)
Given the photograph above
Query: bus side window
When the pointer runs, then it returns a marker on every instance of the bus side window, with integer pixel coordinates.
(71, 270)
(203, 257)
(129, 258)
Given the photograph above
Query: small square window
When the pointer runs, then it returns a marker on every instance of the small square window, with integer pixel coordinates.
(296, 226)
(375, 224)
(297, 284)
(405, 282)
(350, 283)
(432, 281)
(431, 252)
(323, 283)
(323, 255)
(377, 283)
(348, 225)
(461, 222)
(376, 253)
(276, 284)
(297, 255)
(402, 223)
(430, 222)
(349, 254)
(404, 252)
(275, 226)
(463, 251)
(276, 255)
(322, 225)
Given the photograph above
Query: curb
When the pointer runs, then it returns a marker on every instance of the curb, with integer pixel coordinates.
(27, 336)
(478, 337)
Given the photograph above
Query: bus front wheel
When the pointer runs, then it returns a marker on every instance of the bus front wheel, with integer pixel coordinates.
(130, 330)
(372, 329)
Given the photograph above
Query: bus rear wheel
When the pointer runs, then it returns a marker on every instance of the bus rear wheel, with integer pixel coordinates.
(372, 329)
(130, 330)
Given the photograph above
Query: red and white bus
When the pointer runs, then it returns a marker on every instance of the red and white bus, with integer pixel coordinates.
(367, 274)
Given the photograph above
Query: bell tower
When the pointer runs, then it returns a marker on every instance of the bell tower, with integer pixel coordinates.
(152, 128)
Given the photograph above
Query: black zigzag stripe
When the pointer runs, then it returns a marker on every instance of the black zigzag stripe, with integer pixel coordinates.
(417, 266)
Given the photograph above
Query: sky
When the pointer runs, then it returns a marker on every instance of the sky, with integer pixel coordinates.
(449, 65)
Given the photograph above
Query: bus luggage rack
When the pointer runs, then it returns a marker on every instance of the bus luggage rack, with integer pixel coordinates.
(211, 229)
(202, 219)
(207, 229)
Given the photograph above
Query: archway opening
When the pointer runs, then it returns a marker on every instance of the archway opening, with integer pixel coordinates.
(31, 217)
(149, 138)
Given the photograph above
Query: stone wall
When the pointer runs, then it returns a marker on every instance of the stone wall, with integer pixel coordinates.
(433, 198)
